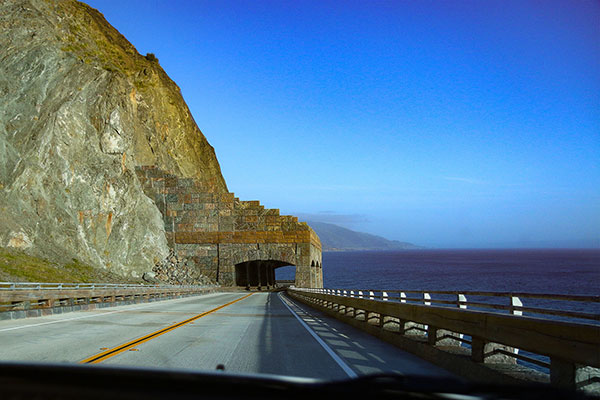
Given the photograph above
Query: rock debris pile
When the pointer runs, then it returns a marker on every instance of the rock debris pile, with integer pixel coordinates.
(175, 271)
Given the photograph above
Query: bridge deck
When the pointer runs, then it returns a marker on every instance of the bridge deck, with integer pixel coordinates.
(257, 334)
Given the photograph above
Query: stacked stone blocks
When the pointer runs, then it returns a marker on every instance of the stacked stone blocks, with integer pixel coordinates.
(216, 230)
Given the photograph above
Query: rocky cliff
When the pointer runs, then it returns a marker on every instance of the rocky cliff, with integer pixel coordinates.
(79, 109)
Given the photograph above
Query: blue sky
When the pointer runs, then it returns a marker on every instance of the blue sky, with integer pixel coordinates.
(442, 123)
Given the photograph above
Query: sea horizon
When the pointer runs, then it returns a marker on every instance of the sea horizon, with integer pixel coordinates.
(462, 248)
(551, 271)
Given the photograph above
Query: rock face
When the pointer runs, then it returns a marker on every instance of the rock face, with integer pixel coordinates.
(101, 161)
(79, 109)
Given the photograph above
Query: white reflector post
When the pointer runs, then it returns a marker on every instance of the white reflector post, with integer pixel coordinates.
(462, 299)
(515, 302)
(426, 297)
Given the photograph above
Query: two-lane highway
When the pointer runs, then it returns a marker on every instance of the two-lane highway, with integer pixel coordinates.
(257, 333)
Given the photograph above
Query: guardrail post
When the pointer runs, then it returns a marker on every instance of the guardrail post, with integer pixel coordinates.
(562, 373)
(402, 326)
(432, 335)
(477, 349)
(426, 297)
(384, 295)
(515, 303)
(360, 315)
(352, 293)
(461, 301)
(381, 320)
(402, 297)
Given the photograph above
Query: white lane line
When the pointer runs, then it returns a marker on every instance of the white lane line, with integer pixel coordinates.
(83, 317)
(328, 349)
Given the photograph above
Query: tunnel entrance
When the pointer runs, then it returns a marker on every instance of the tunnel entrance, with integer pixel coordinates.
(257, 273)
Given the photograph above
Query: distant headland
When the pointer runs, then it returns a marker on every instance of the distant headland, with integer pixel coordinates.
(337, 238)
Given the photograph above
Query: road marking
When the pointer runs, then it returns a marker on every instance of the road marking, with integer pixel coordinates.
(99, 313)
(119, 349)
(328, 349)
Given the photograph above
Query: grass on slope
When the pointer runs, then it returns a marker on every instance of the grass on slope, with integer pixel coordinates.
(16, 266)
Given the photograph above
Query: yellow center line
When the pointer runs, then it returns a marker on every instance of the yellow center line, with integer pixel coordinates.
(119, 349)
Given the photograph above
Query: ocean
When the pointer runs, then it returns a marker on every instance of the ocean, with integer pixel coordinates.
(551, 271)
(547, 271)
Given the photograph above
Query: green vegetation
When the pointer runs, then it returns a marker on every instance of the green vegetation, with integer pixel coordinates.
(151, 57)
(16, 266)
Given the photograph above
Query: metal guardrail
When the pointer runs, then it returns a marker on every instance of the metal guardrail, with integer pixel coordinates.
(64, 286)
(492, 333)
(15, 296)
(572, 307)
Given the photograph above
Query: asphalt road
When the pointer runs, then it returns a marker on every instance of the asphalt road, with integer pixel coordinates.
(255, 334)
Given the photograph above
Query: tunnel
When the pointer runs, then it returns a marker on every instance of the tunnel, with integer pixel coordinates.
(257, 273)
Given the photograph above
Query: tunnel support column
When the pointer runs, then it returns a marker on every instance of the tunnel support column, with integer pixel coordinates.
(247, 276)
(257, 263)
(266, 272)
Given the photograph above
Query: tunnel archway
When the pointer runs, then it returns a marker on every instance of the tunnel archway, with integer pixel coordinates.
(257, 273)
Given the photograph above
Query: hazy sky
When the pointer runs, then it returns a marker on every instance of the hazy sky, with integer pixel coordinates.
(445, 123)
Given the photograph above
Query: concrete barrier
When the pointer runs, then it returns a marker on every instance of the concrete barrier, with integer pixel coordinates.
(438, 333)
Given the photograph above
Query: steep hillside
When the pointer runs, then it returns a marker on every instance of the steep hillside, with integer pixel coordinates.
(79, 109)
(336, 238)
